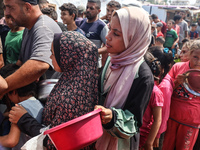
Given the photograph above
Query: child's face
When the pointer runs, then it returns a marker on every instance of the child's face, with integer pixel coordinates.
(109, 11)
(152, 29)
(13, 97)
(195, 59)
(54, 62)
(9, 22)
(185, 54)
(194, 28)
(66, 17)
(169, 24)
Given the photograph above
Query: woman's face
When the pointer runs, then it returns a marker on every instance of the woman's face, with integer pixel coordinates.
(114, 39)
(54, 62)
(195, 59)
(185, 54)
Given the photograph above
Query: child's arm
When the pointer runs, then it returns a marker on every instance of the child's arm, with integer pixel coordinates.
(157, 117)
(176, 41)
(11, 139)
(179, 80)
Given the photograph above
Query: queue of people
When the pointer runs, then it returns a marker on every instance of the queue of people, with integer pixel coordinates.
(137, 82)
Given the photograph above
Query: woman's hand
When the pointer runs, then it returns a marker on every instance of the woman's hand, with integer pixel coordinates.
(16, 113)
(106, 114)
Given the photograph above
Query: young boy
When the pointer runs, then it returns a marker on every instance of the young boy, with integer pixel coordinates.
(177, 19)
(68, 16)
(25, 97)
(159, 41)
(111, 6)
(13, 41)
(171, 38)
(159, 26)
(193, 34)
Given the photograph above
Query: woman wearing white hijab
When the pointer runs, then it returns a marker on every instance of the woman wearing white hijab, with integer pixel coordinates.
(126, 82)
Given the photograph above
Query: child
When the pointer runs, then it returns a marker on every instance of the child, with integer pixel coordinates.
(183, 124)
(68, 15)
(193, 33)
(171, 38)
(153, 113)
(160, 41)
(111, 6)
(13, 41)
(25, 97)
(159, 26)
(185, 51)
(177, 19)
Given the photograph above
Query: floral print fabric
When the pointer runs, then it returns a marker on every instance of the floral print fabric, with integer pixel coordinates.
(75, 94)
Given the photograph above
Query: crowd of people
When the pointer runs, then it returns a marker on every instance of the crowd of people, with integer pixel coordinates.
(128, 63)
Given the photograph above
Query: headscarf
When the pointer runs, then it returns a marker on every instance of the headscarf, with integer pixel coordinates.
(75, 94)
(135, 25)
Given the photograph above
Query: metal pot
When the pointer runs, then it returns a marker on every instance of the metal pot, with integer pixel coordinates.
(45, 87)
(192, 81)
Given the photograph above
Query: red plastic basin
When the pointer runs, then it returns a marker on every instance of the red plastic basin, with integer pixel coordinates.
(77, 133)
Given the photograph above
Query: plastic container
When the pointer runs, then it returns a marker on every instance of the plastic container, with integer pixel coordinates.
(77, 133)
(45, 87)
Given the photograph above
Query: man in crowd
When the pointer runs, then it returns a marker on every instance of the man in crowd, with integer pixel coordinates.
(183, 29)
(156, 20)
(198, 26)
(79, 18)
(36, 44)
(94, 28)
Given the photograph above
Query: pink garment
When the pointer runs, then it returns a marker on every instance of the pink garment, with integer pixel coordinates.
(155, 101)
(166, 86)
(179, 136)
(136, 30)
(185, 107)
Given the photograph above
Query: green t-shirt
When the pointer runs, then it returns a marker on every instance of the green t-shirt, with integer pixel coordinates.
(13, 44)
(171, 36)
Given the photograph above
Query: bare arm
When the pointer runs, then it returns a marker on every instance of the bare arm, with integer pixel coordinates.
(186, 34)
(1, 61)
(176, 41)
(12, 139)
(102, 50)
(157, 115)
(3, 84)
(103, 17)
(30, 71)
